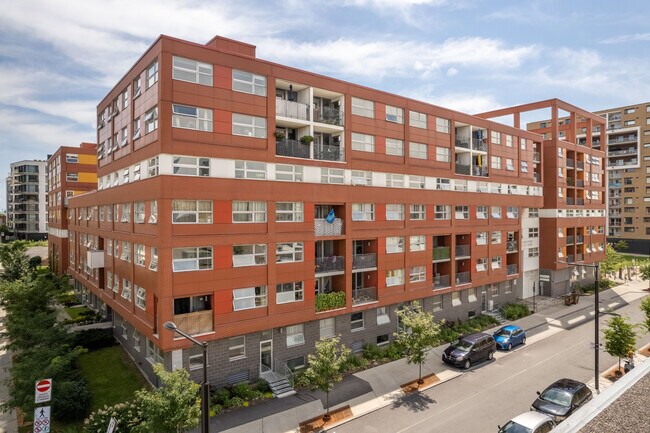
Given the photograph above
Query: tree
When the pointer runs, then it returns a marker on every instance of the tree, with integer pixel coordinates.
(645, 307)
(174, 407)
(644, 271)
(325, 368)
(14, 260)
(612, 262)
(621, 246)
(620, 338)
(417, 335)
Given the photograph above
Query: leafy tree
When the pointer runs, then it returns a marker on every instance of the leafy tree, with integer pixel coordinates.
(325, 368)
(14, 260)
(645, 307)
(644, 271)
(621, 246)
(418, 334)
(613, 260)
(172, 408)
(620, 337)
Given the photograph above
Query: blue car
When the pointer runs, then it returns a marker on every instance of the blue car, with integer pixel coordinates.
(509, 336)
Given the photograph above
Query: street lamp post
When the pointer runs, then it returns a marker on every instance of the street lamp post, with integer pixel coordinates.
(205, 385)
(534, 304)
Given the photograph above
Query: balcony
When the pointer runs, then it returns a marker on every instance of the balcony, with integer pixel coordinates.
(580, 239)
(463, 251)
(569, 240)
(364, 295)
(537, 157)
(329, 115)
(570, 258)
(512, 247)
(441, 254)
(198, 322)
(463, 169)
(537, 177)
(323, 228)
(291, 109)
(325, 152)
(441, 282)
(579, 257)
(570, 163)
(630, 151)
(463, 278)
(580, 183)
(364, 261)
(511, 269)
(292, 148)
(329, 301)
(462, 142)
(479, 144)
(623, 139)
(620, 162)
(332, 264)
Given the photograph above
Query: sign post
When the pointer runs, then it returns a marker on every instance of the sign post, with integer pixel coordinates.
(111, 425)
(42, 419)
(43, 391)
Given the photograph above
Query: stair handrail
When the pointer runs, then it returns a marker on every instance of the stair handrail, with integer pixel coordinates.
(501, 311)
(283, 369)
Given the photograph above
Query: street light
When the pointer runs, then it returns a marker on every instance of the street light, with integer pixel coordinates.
(596, 318)
(205, 385)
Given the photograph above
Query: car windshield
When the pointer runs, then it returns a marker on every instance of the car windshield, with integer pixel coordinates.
(557, 396)
(513, 427)
(502, 333)
(462, 345)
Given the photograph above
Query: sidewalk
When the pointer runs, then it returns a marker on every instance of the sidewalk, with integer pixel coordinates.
(377, 387)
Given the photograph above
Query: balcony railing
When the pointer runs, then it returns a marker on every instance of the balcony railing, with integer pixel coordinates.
(512, 247)
(625, 139)
(462, 142)
(441, 282)
(463, 169)
(569, 240)
(581, 165)
(323, 228)
(537, 177)
(364, 261)
(364, 295)
(462, 251)
(630, 151)
(195, 323)
(579, 257)
(479, 144)
(293, 148)
(580, 183)
(511, 269)
(292, 109)
(463, 278)
(580, 239)
(330, 264)
(537, 157)
(441, 253)
(570, 163)
(325, 152)
(329, 115)
(570, 258)
(580, 201)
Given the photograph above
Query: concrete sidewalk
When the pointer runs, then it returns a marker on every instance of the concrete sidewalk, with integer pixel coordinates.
(377, 387)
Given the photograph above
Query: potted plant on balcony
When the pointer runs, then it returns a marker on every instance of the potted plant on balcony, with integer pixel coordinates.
(279, 135)
(306, 139)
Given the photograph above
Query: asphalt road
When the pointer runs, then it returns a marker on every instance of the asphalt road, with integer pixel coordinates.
(492, 393)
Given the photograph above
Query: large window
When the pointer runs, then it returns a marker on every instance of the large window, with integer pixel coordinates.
(394, 147)
(327, 327)
(249, 255)
(295, 335)
(248, 126)
(139, 258)
(250, 170)
(363, 142)
(361, 107)
(126, 289)
(288, 252)
(249, 297)
(191, 259)
(394, 277)
(151, 120)
(289, 212)
(140, 297)
(462, 212)
(394, 114)
(443, 125)
(394, 212)
(289, 292)
(418, 243)
(138, 212)
(442, 154)
(237, 347)
(418, 212)
(418, 120)
(363, 212)
(394, 180)
(248, 83)
(332, 175)
(418, 274)
(187, 117)
(192, 212)
(152, 74)
(192, 71)
(359, 177)
(248, 211)
(443, 212)
(394, 244)
(418, 150)
(356, 321)
(289, 173)
(191, 166)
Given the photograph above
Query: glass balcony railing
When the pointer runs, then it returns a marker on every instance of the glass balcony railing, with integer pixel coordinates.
(364, 295)
(324, 152)
(330, 264)
(569, 240)
(329, 115)
(364, 261)
(291, 109)
(462, 142)
(463, 169)
(511, 269)
(441, 282)
(463, 278)
(293, 148)
(479, 145)
(463, 251)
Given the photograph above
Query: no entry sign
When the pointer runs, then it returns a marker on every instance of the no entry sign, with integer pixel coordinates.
(43, 391)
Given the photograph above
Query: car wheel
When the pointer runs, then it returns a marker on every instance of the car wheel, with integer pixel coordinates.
(490, 356)
(509, 346)
(523, 341)
(467, 364)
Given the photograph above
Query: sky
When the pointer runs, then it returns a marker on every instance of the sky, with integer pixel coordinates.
(58, 59)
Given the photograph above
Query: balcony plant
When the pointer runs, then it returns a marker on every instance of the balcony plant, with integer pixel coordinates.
(306, 139)
(279, 135)
(330, 301)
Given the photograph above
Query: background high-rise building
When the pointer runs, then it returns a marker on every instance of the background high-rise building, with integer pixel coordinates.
(27, 199)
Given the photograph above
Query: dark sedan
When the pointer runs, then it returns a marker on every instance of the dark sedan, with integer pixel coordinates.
(562, 398)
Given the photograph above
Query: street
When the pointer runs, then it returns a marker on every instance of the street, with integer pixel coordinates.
(492, 393)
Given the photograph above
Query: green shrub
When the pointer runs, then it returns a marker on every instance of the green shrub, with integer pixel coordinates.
(72, 400)
(220, 396)
(372, 352)
(235, 402)
(330, 301)
(126, 414)
(262, 386)
(393, 352)
(93, 339)
(243, 390)
(515, 311)
(355, 362)
(216, 409)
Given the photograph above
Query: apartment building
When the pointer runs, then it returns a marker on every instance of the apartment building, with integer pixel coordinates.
(70, 171)
(27, 199)
(261, 207)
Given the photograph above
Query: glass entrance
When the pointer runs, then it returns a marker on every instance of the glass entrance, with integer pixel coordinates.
(484, 302)
(266, 356)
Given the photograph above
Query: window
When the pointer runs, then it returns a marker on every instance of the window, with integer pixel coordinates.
(508, 140)
(394, 277)
(512, 212)
(533, 212)
(363, 142)
(418, 212)
(192, 71)
(191, 166)
(533, 232)
(416, 182)
(496, 237)
(248, 83)
(442, 154)
(136, 128)
(394, 147)
(356, 321)
(140, 297)
(361, 177)
(394, 114)
(496, 212)
(495, 137)
(152, 167)
(138, 250)
(191, 259)
(417, 150)
(455, 299)
(443, 125)
(137, 87)
(249, 255)
(248, 126)
(418, 274)
(461, 212)
(394, 180)
(630, 122)
(524, 167)
(394, 212)
(481, 264)
(72, 158)
(295, 335)
(237, 347)
(195, 361)
(417, 243)
(481, 212)
(136, 172)
(327, 327)
(288, 292)
(442, 212)
(364, 108)
(126, 289)
(522, 143)
(125, 176)
(394, 244)
(289, 212)
(533, 252)
(126, 251)
(560, 192)
(249, 297)
(443, 184)
(495, 162)
(288, 252)
(72, 177)
(363, 212)
(332, 175)
(417, 120)
(109, 280)
(126, 212)
(153, 212)
(481, 238)
(496, 262)
(250, 170)
(289, 173)
(560, 172)
(154, 354)
(153, 261)
(186, 117)
(509, 165)
(152, 74)
(151, 120)
(116, 283)
(248, 212)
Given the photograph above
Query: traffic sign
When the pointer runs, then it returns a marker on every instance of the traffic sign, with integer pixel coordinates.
(42, 419)
(43, 391)
(545, 278)
(111, 425)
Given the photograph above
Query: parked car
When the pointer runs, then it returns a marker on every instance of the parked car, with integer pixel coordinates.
(562, 398)
(529, 422)
(469, 350)
(509, 336)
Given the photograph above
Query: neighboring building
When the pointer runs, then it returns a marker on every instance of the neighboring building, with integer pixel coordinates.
(70, 171)
(27, 200)
(261, 207)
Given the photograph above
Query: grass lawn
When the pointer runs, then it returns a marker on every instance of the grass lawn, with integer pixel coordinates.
(75, 312)
(112, 377)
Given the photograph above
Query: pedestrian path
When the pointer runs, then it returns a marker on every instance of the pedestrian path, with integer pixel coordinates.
(374, 388)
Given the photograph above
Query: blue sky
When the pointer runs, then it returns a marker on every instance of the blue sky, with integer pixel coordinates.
(59, 58)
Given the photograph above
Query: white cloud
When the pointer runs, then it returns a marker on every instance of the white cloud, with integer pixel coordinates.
(466, 102)
(451, 72)
(634, 37)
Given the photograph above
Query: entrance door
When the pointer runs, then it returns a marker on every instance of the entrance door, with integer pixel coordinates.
(266, 356)
(484, 301)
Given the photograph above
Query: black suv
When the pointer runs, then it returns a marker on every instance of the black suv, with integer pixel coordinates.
(562, 398)
(469, 350)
